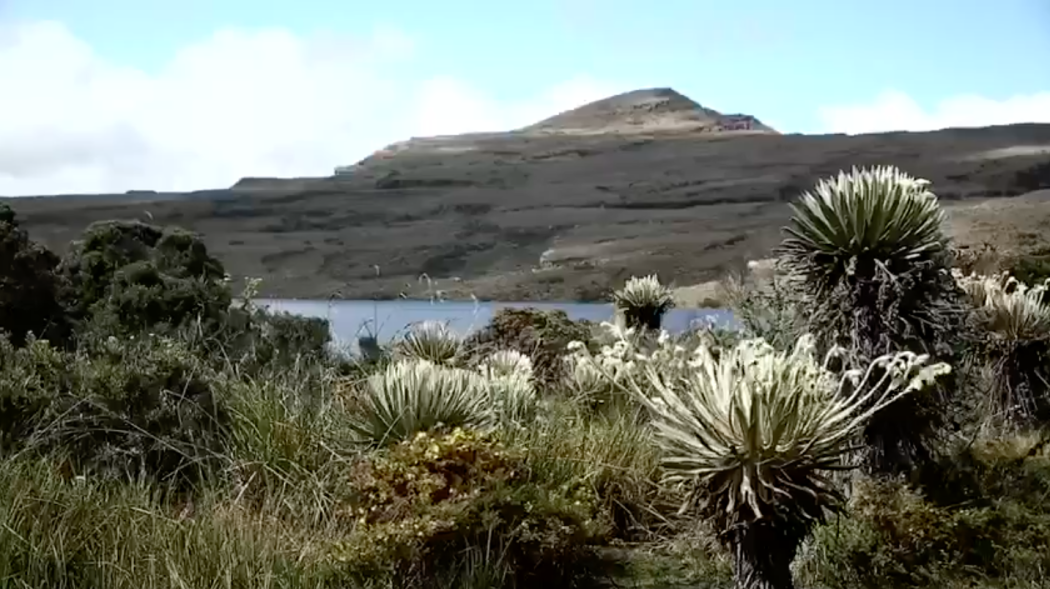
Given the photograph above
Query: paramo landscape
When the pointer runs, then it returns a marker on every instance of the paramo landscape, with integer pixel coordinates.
(875, 416)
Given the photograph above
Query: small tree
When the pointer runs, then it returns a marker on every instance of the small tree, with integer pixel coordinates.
(869, 251)
(130, 276)
(29, 288)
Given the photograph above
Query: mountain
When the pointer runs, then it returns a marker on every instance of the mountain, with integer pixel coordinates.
(649, 110)
(646, 181)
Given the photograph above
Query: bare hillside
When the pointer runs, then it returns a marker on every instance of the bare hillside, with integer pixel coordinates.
(648, 181)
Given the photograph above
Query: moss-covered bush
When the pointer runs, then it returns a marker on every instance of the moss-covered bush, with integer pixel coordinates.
(893, 537)
(433, 499)
(544, 336)
(980, 512)
(126, 277)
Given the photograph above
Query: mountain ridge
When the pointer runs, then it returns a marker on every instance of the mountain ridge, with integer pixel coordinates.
(541, 215)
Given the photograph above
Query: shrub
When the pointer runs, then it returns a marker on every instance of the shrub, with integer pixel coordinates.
(125, 277)
(32, 378)
(643, 302)
(435, 498)
(983, 471)
(255, 340)
(893, 537)
(142, 407)
(610, 454)
(765, 308)
(29, 288)
(543, 336)
(872, 259)
(281, 337)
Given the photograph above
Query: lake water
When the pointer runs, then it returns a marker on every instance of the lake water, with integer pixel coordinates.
(385, 320)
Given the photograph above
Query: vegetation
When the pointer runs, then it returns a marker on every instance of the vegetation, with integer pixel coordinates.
(158, 431)
(28, 285)
(643, 302)
(869, 250)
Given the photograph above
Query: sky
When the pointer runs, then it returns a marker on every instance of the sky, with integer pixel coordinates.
(112, 95)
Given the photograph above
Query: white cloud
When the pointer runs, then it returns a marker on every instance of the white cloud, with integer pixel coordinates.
(896, 111)
(239, 103)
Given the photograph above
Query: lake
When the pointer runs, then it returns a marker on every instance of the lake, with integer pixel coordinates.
(385, 320)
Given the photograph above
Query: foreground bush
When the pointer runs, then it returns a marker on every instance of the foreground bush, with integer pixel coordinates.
(433, 500)
(893, 535)
(145, 407)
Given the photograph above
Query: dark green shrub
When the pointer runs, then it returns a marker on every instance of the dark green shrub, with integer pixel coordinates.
(29, 288)
(983, 473)
(893, 537)
(431, 500)
(145, 406)
(126, 277)
(31, 378)
(978, 513)
(292, 335)
(542, 335)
